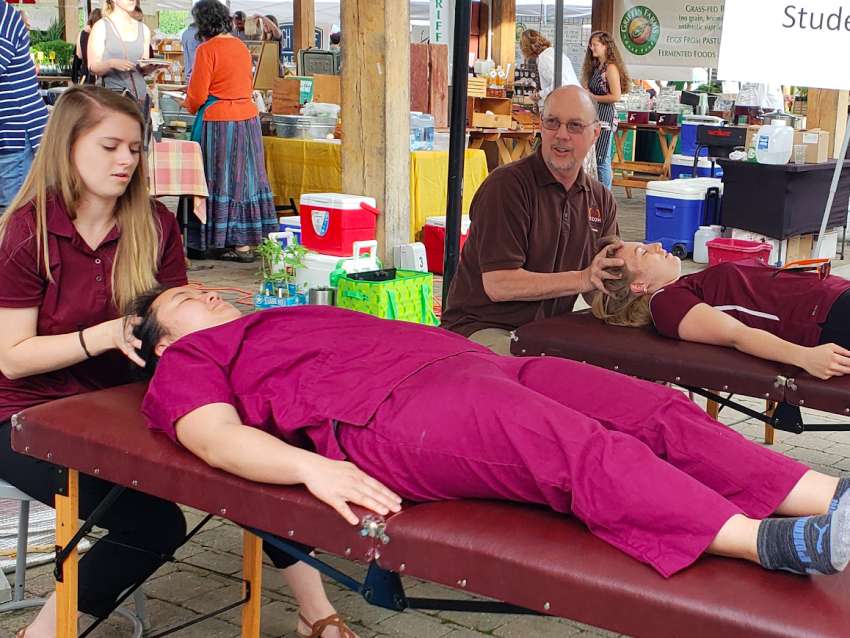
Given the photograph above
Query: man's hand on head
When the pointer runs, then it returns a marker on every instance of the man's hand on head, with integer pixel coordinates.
(595, 275)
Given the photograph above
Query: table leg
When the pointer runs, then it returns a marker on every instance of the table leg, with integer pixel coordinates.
(712, 408)
(504, 153)
(668, 151)
(184, 204)
(252, 573)
(769, 430)
(620, 156)
(67, 512)
(521, 149)
(475, 142)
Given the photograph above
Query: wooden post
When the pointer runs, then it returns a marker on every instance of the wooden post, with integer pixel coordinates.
(769, 430)
(504, 34)
(252, 573)
(303, 25)
(602, 17)
(67, 512)
(69, 11)
(376, 112)
(483, 31)
(827, 111)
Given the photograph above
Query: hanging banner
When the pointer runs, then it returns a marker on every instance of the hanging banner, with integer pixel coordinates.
(679, 33)
(440, 22)
(773, 41)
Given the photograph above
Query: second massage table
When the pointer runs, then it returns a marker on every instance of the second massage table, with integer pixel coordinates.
(705, 369)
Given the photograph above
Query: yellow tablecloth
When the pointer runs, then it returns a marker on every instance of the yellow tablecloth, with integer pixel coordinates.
(303, 166)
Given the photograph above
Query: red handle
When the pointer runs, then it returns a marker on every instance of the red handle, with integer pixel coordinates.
(371, 209)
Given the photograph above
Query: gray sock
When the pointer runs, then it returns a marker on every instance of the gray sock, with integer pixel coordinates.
(843, 486)
(809, 545)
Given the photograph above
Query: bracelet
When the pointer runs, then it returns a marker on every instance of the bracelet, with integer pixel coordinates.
(83, 343)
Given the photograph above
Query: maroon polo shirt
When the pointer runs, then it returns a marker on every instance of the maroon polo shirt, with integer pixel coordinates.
(79, 297)
(791, 305)
(522, 217)
(292, 372)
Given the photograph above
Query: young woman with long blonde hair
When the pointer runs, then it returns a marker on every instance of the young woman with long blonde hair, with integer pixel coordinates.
(80, 239)
(605, 75)
(79, 242)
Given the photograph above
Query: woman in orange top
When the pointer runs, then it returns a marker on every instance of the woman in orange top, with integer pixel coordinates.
(240, 208)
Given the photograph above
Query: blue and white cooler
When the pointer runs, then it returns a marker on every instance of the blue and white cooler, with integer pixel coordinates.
(689, 132)
(292, 223)
(674, 212)
(682, 167)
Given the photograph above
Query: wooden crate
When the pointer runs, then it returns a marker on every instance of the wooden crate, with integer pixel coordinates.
(477, 87)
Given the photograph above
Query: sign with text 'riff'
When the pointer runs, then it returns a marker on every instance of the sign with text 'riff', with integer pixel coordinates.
(668, 32)
(440, 13)
(780, 42)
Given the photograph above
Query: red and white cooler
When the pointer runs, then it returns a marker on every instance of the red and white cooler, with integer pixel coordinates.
(332, 222)
(434, 238)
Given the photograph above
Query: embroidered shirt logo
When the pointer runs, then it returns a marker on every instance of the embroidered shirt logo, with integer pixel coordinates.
(594, 215)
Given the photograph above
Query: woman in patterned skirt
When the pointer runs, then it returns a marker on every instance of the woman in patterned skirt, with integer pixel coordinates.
(240, 209)
(605, 75)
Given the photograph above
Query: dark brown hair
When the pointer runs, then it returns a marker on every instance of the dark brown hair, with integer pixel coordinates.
(613, 57)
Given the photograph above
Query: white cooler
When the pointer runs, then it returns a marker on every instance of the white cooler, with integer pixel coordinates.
(317, 270)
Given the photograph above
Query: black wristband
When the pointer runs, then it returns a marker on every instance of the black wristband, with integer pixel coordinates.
(83, 343)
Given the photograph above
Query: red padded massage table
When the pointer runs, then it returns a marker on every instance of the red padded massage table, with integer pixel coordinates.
(528, 556)
(701, 368)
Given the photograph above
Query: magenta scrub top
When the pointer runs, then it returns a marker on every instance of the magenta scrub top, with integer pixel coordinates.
(292, 372)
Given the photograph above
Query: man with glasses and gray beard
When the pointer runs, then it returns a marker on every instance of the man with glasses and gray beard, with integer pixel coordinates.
(534, 225)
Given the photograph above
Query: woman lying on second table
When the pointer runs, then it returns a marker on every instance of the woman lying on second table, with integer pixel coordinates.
(791, 316)
(370, 411)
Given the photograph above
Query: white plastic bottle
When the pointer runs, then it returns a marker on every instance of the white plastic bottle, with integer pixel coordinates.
(775, 144)
(704, 235)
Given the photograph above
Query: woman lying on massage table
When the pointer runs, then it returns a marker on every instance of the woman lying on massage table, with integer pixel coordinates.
(370, 411)
(800, 318)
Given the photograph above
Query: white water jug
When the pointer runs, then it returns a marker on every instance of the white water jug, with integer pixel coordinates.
(775, 143)
(704, 235)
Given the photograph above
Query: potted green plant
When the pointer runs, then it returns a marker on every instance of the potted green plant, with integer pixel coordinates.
(277, 274)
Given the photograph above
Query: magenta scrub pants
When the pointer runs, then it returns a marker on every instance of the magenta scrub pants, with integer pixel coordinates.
(642, 466)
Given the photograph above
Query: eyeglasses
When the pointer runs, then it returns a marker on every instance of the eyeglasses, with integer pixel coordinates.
(823, 267)
(573, 127)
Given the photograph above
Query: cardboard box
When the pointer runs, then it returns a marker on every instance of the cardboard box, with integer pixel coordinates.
(816, 142)
(829, 248)
(477, 112)
(782, 252)
(752, 130)
(326, 89)
(286, 96)
(799, 247)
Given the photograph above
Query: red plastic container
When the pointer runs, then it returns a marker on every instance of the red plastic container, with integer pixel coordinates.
(434, 238)
(332, 222)
(722, 250)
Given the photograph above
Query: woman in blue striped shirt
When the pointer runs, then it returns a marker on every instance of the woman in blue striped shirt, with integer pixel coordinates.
(22, 110)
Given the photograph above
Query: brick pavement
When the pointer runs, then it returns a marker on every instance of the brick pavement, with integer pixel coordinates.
(178, 592)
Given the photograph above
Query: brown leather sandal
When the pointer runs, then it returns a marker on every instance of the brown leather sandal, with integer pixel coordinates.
(21, 632)
(318, 627)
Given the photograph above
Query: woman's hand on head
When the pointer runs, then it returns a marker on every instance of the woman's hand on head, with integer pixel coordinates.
(121, 332)
(339, 483)
(828, 360)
